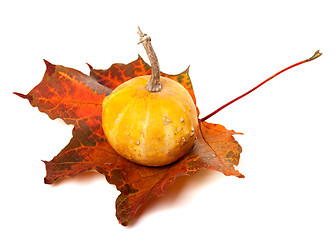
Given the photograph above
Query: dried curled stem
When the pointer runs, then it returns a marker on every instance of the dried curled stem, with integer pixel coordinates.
(315, 56)
(154, 85)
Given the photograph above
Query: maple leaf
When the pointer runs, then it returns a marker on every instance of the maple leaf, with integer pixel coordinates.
(77, 99)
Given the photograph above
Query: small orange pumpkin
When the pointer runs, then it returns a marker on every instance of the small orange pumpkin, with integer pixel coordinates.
(150, 128)
(150, 120)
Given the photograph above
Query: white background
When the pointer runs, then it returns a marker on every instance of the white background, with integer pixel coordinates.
(288, 147)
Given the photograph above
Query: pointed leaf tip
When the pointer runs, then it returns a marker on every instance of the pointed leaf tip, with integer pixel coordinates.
(188, 69)
(24, 96)
(50, 67)
(139, 57)
(89, 66)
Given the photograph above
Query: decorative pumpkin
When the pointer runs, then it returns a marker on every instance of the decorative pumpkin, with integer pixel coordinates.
(150, 120)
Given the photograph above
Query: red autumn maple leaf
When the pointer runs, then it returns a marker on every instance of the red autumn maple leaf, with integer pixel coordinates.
(77, 99)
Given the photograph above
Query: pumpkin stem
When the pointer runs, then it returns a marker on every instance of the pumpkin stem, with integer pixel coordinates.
(154, 85)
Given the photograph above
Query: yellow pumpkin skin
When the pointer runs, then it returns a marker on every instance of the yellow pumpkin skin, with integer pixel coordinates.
(150, 128)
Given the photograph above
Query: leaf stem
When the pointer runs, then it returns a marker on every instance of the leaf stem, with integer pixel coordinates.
(316, 55)
(154, 85)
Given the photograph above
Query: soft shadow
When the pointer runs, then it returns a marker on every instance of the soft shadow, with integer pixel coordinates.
(173, 194)
(172, 197)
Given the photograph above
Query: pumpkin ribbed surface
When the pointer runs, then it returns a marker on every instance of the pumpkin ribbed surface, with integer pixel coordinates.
(152, 129)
